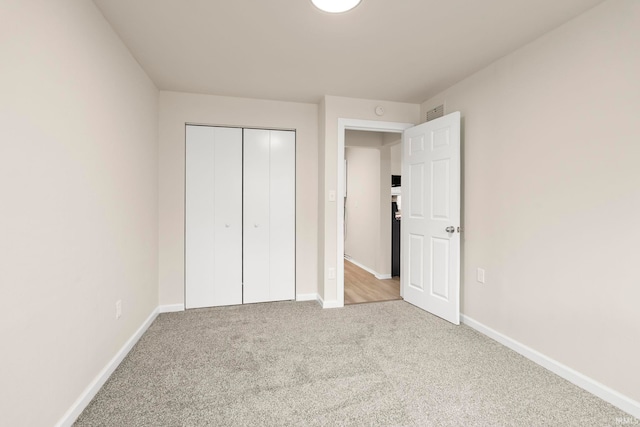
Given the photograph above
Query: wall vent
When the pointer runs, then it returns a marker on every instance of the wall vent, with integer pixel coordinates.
(434, 113)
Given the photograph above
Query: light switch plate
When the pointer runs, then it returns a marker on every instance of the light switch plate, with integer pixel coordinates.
(332, 196)
(480, 275)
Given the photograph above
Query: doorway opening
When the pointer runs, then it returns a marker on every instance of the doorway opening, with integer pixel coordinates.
(368, 153)
(372, 216)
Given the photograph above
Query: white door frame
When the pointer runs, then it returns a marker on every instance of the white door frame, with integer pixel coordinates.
(343, 126)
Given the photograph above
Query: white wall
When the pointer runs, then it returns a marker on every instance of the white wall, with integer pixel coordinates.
(362, 205)
(383, 262)
(176, 109)
(552, 194)
(396, 159)
(361, 138)
(321, 194)
(78, 217)
(331, 109)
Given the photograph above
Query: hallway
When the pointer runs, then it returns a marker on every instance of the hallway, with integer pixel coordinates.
(361, 286)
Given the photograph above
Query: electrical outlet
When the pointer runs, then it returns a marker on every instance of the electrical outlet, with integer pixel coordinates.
(332, 273)
(118, 309)
(480, 275)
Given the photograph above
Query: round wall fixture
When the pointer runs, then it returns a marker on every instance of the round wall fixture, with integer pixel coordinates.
(335, 6)
(379, 110)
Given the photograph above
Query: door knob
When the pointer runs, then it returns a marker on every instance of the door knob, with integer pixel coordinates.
(450, 229)
(227, 225)
(255, 225)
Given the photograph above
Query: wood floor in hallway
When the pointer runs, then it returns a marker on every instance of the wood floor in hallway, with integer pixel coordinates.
(361, 286)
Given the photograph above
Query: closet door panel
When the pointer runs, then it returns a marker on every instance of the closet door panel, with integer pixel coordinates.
(282, 216)
(228, 216)
(213, 212)
(256, 216)
(199, 211)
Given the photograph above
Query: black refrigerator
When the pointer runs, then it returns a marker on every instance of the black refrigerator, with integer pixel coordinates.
(395, 241)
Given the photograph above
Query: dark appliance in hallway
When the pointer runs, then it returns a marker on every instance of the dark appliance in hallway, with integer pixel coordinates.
(395, 241)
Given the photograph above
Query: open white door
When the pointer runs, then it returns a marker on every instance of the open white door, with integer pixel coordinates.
(431, 216)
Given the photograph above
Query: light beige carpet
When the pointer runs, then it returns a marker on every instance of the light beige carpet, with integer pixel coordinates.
(279, 364)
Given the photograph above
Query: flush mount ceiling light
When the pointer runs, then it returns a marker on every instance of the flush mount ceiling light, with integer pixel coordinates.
(335, 6)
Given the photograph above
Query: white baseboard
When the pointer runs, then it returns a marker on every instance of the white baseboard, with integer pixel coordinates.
(368, 270)
(328, 304)
(306, 297)
(331, 304)
(170, 308)
(605, 393)
(89, 393)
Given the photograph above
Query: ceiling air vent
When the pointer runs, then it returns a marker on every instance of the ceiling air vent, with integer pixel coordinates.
(434, 113)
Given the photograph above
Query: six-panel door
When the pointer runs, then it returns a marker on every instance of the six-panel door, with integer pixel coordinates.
(431, 217)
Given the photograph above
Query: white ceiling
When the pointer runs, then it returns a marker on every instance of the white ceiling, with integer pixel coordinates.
(396, 50)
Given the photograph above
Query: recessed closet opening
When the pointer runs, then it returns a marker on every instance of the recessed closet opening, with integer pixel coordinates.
(239, 215)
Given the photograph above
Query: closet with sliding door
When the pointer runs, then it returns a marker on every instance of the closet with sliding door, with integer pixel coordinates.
(239, 216)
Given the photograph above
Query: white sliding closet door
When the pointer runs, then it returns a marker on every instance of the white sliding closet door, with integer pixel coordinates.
(269, 215)
(213, 216)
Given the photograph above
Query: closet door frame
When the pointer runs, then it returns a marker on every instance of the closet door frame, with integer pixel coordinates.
(295, 210)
